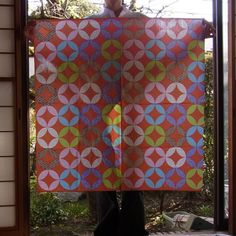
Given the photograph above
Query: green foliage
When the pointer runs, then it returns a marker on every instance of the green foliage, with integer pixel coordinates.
(31, 92)
(208, 188)
(45, 208)
(76, 210)
(206, 210)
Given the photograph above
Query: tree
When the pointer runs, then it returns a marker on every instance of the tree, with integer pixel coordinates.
(64, 9)
(157, 12)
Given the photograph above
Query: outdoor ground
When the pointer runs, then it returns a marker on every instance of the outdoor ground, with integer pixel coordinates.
(155, 202)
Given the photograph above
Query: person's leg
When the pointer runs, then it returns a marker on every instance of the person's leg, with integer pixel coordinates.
(108, 214)
(132, 216)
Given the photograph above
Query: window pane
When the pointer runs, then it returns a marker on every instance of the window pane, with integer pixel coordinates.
(7, 216)
(6, 94)
(6, 169)
(6, 119)
(7, 193)
(7, 65)
(7, 144)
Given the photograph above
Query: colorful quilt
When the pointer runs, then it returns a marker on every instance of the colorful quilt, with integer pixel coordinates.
(119, 104)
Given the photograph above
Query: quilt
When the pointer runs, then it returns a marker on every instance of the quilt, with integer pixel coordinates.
(119, 104)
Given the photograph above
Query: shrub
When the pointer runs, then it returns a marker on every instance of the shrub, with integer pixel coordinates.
(45, 208)
(77, 210)
(208, 188)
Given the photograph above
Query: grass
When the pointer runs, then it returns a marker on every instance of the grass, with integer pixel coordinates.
(76, 210)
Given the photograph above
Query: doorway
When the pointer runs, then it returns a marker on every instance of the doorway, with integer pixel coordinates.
(21, 225)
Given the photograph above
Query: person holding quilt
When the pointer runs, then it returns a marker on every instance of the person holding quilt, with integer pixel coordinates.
(129, 219)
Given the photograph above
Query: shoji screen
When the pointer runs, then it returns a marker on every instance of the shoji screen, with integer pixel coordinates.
(13, 124)
(7, 115)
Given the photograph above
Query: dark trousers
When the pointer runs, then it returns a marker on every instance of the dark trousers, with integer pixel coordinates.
(127, 221)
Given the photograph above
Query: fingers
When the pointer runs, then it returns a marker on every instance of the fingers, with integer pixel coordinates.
(209, 30)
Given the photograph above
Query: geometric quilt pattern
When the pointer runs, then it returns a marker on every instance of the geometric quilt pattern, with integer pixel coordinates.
(119, 104)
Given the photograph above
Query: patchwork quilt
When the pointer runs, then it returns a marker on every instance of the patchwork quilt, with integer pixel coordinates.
(119, 104)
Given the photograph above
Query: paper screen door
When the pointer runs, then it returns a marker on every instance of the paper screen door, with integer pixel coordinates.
(11, 124)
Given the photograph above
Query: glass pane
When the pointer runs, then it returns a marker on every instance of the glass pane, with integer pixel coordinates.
(7, 193)
(7, 65)
(6, 94)
(6, 169)
(6, 17)
(6, 119)
(31, 66)
(6, 144)
(172, 197)
(225, 48)
(7, 41)
(7, 216)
